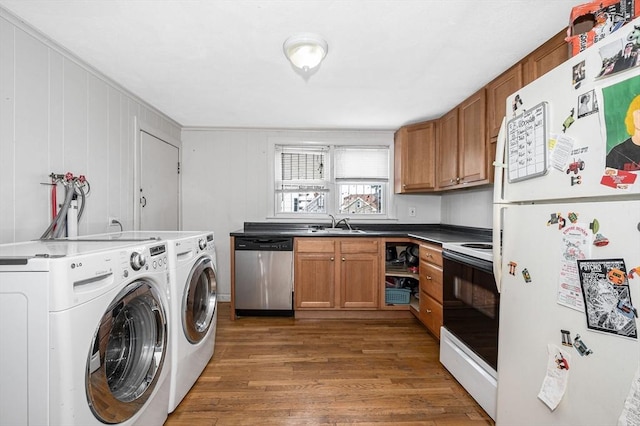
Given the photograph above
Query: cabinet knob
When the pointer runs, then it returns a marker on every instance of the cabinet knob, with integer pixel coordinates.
(457, 179)
(452, 180)
(404, 185)
(429, 277)
(343, 259)
(428, 311)
(331, 259)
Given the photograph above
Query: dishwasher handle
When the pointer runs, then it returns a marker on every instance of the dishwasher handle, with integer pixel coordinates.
(263, 243)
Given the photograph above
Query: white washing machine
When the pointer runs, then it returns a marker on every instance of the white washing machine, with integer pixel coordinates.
(193, 301)
(84, 333)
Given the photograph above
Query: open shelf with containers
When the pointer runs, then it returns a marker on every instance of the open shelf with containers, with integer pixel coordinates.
(400, 289)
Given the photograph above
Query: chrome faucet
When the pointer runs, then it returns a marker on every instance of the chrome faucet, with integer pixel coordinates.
(346, 222)
(333, 220)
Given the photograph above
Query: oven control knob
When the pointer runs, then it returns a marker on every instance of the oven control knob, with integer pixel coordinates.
(202, 244)
(137, 260)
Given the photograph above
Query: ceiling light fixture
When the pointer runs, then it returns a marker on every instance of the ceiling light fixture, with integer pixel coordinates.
(305, 51)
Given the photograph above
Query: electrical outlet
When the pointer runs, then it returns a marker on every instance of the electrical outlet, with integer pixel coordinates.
(412, 211)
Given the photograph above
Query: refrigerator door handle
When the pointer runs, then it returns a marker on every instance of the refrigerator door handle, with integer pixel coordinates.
(499, 164)
(498, 197)
(497, 244)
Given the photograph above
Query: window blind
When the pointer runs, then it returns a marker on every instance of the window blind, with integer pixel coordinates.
(302, 164)
(361, 163)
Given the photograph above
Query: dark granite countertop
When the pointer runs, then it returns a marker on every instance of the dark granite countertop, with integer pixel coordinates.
(434, 233)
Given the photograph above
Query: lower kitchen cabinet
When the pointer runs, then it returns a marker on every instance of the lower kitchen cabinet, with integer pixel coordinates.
(430, 314)
(337, 273)
(431, 287)
(314, 276)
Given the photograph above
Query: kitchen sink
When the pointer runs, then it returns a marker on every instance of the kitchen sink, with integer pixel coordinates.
(335, 231)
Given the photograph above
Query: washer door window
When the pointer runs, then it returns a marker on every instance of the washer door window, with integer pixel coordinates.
(127, 353)
(199, 300)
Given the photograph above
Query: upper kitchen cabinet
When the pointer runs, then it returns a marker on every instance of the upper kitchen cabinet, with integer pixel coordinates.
(462, 148)
(447, 172)
(415, 158)
(497, 93)
(545, 58)
(537, 63)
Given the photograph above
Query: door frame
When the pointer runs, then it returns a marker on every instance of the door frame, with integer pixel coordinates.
(142, 126)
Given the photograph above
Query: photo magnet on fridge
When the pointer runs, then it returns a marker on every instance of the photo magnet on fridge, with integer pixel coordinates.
(587, 104)
(578, 74)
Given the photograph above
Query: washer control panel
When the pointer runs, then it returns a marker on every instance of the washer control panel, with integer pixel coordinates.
(158, 255)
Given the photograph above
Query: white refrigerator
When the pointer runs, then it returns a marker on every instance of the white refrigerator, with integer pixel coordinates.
(567, 244)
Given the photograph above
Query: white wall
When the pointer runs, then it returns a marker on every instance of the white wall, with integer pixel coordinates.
(225, 182)
(468, 207)
(58, 115)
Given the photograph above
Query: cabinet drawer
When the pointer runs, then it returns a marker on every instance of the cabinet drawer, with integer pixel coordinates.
(431, 280)
(430, 314)
(315, 245)
(431, 253)
(359, 245)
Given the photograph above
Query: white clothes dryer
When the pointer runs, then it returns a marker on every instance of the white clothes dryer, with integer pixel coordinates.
(193, 301)
(84, 333)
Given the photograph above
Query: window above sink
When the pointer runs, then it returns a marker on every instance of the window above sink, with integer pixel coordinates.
(345, 180)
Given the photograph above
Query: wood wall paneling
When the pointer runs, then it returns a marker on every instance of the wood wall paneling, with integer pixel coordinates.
(59, 115)
(7, 120)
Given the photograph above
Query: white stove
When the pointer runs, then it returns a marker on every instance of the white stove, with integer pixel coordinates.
(479, 250)
(471, 305)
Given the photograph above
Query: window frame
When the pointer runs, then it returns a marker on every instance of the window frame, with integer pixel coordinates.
(332, 201)
(324, 182)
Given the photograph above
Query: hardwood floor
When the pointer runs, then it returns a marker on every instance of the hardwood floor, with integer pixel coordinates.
(281, 371)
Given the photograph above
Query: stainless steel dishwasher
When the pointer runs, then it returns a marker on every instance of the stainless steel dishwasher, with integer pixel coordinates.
(263, 276)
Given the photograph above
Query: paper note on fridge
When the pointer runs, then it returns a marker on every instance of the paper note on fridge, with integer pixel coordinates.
(576, 245)
(560, 147)
(631, 412)
(555, 382)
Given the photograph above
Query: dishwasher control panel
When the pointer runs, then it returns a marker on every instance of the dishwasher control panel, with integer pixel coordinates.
(264, 244)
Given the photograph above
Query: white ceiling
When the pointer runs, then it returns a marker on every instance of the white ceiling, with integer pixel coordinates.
(219, 63)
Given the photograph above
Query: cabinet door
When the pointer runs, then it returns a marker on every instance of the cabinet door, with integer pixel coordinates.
(359, 278)
(359, 265)
(315, 273)
(431, 280)
(431, 253)
(430, 314)
(447, 170)
(315, 280)
(415, 158)
(497, 93)
(400, 147)
(472, 154)
(545, 58)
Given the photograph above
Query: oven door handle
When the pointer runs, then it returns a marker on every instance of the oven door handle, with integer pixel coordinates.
(468, 260)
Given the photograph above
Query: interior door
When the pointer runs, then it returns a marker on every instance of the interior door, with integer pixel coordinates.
(159, 183)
